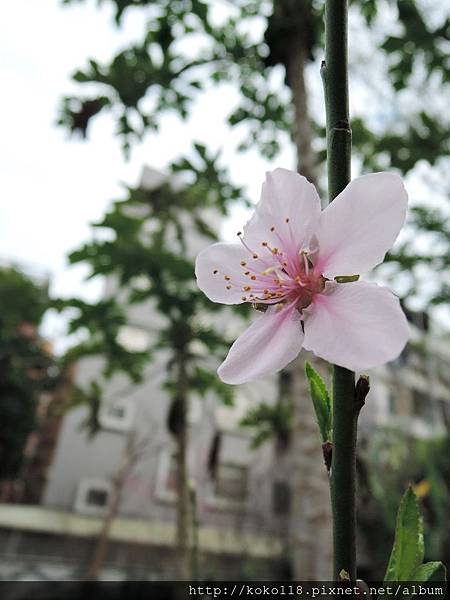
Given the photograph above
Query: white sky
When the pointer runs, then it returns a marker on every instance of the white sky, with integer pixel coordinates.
(54, 186)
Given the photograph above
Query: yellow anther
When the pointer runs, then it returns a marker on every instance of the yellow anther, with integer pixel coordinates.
(227, 277)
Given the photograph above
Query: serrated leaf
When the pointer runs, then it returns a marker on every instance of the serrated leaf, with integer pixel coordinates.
(408, 551)
(430, 571)
(321, 402)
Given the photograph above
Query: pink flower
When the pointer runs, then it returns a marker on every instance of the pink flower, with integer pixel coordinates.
(291, 263)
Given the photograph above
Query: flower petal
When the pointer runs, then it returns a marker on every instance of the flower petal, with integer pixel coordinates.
(268, 345)
(356, 325)
(219, 266)
(290, 205)
(361, 224)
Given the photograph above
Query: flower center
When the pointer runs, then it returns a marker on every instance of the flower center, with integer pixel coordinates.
(309, 283)
(274, 275)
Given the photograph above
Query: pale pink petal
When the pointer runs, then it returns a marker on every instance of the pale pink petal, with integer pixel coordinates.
(268, 345)
(217, 268)
(287, 214)
(361, 225)
(356, 325)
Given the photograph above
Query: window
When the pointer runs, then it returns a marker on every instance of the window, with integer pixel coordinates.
(231, 482)
(281, 498)
(96, 497)
(445, 406)
(392, 402)
(117, 416)
(171, 477)
(422, 406)
(93, 496)
(166, 476)
(195, 408)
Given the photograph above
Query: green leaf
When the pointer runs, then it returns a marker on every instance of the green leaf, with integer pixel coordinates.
(321, 401)
(408, 551)
(430, 571)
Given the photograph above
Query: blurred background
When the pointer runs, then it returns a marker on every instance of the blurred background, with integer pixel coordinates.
(135, 133)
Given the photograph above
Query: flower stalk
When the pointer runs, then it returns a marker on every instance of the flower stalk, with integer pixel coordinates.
(343, 469)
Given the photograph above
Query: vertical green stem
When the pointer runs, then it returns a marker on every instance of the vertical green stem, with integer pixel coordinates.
(343, 469)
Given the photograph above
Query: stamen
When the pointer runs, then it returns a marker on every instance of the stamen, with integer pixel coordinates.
(270, 270)
(272, 229)
(243, 263)
(227, 277)
(247, 288)
(287, 219)
(253, 277)
(244, 244)
(255, 256)
(264, 244)
(306, 263)
(215, 271)
(228, 287)
(244, 298)
(303, 254)
(247, 273)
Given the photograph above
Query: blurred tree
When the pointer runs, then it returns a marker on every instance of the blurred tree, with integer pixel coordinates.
(391, 461)
(27, 367)
(148, 255)
(264, 50)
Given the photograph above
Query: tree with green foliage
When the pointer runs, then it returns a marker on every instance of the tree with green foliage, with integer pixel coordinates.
(148, 257)
(27, 367)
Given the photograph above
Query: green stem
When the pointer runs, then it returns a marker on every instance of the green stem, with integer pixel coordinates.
(343, 468)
